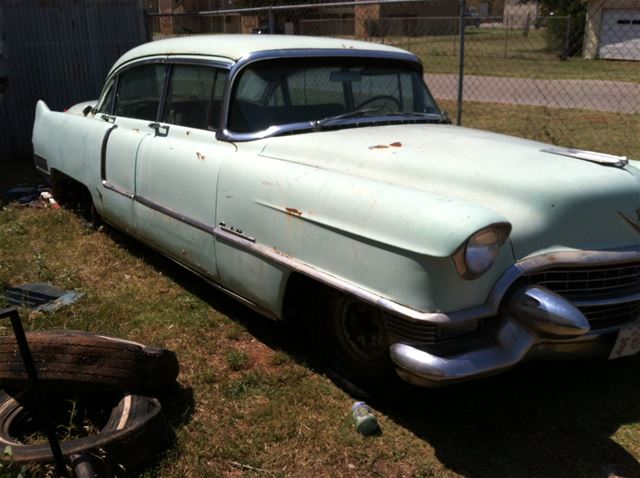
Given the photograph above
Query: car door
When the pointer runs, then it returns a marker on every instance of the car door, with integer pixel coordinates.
(178, 166)
(136, 106)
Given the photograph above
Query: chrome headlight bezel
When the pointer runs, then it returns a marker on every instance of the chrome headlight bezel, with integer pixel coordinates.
(479, 252)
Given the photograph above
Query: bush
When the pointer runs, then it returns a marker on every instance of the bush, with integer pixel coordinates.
(557, 31)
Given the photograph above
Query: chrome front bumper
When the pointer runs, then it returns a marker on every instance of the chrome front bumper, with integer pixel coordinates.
(536, 322)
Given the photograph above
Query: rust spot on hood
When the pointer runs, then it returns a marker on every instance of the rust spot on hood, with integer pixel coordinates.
(396, 144)
(200, 156)
(294, 211)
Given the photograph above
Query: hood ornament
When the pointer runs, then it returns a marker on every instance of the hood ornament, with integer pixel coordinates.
(591, 156)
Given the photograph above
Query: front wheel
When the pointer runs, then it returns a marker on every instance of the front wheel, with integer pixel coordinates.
(351, 338)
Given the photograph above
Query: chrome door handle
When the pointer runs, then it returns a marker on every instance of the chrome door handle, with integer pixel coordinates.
(157, 127)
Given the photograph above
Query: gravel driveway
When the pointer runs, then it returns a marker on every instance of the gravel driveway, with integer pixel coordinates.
(617, 96)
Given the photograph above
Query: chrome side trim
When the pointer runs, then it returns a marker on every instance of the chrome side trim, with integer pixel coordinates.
(160, 208)
(285, 260)
(117, 189)
(173, 214)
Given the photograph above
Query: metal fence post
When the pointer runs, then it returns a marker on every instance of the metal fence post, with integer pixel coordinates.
(272, 22)
(567, 40)
(463, 8)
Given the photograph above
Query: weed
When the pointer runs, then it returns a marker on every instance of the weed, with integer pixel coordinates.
(234, 332)
(281, 358)
(237, 359)
(251, 384)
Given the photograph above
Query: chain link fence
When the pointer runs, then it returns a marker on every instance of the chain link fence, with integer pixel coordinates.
(478, 55)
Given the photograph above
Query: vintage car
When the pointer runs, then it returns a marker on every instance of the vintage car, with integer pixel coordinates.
(317, 180)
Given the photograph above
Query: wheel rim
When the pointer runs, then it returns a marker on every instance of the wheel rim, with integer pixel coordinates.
(363, 331)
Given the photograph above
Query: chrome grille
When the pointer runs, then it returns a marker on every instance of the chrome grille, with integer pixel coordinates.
(606, 316)
(593, 282)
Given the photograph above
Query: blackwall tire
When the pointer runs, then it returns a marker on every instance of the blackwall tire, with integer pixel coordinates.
(135, 429)
(351, 340)
(78, 361)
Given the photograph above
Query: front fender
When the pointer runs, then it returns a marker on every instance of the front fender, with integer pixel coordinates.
(387, 239)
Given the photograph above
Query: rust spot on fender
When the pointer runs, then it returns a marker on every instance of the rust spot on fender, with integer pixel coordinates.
(281, 253)
(379, 146)
(200, 156)
(294, 211)
(397, 144)
(136, 130)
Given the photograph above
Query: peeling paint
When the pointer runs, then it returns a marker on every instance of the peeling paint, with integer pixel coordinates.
(136, 130)
(200, 156)
(294, 211)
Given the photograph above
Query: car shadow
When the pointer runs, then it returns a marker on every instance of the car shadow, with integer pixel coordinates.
(544, 419)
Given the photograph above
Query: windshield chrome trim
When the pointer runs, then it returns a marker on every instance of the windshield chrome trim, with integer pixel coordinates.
(224, 134)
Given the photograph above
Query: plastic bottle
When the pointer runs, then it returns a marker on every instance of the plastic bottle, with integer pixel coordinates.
(364, 419)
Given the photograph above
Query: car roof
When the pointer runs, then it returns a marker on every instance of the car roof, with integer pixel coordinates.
(234, 47)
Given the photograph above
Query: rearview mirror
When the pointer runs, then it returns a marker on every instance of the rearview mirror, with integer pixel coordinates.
(344, 76)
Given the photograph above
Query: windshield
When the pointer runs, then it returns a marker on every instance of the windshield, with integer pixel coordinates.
(318, 91)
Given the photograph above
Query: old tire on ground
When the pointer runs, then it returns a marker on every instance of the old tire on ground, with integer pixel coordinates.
(351, 338)
(134, 430)
(71, 360)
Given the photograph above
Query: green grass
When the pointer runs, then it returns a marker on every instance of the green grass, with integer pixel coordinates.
(508, 53)
(250, 405)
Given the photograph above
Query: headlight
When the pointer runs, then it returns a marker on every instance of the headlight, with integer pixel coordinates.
(479, 252)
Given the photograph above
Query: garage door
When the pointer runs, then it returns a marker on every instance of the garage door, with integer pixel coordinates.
(620, 34)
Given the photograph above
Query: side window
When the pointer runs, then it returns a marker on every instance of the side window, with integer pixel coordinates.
(139, 92)
(195, 96)
(106, 104)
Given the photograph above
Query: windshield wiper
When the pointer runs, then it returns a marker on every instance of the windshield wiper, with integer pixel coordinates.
(430, 117)
(317, 125)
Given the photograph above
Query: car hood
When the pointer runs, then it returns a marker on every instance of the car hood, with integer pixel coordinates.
(553, 201)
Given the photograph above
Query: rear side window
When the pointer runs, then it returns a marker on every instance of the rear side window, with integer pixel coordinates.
(194, 97)
(139, 92)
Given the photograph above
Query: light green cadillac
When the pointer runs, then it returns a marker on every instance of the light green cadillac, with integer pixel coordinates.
(316, 180)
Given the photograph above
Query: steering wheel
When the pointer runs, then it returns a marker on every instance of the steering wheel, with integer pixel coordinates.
(377, 98)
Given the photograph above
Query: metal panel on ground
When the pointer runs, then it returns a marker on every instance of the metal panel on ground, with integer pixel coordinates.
(620, 34)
